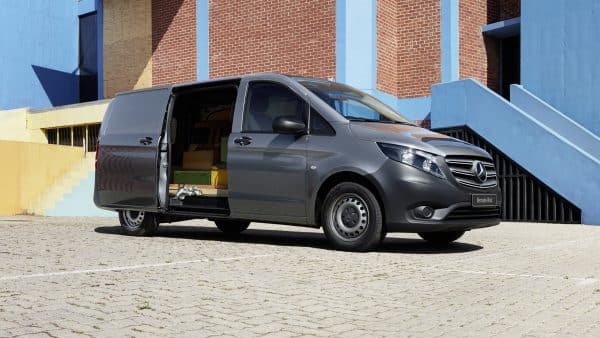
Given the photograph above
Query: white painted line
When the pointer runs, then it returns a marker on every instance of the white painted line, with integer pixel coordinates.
(533, 248)
(130, 267)
(580, 280)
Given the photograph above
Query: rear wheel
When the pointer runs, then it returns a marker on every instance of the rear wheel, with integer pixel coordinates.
(138, 223)
(441, 237)
(352, 217)
(232, 227)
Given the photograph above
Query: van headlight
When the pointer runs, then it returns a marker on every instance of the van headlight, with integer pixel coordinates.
(416, 158)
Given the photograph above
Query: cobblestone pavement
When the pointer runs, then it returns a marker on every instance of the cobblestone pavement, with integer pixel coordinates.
(80, 277)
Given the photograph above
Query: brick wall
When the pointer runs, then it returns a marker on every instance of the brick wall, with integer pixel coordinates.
(127, 45)
(478, 54)
(173, 41)
(508, 9)
(408, 46)
(387, 46)
(286, 36)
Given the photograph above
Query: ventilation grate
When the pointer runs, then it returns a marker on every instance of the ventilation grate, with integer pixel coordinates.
(525, 198)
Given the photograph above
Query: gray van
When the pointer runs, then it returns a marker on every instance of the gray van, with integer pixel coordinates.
(289, 150)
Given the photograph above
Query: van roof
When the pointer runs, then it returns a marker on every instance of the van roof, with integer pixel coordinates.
(224, 79)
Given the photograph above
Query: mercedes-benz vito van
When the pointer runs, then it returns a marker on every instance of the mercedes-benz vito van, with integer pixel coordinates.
(289, 150)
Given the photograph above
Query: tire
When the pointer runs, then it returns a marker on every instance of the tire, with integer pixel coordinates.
(441, 237)
(232, 227)
(138, 223)
(352, 217)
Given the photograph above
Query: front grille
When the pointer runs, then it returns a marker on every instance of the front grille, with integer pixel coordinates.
(462, 170)
(474, 213)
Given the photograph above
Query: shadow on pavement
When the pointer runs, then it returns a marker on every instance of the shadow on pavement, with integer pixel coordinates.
(295, 238)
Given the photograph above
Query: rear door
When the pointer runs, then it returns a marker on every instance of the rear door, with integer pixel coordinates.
(130, 136)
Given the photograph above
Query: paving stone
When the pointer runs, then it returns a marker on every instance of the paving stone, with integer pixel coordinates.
(79, 277)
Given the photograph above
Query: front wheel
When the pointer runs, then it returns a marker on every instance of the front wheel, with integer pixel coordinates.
(138, 223)
(352, 217)
(441, 237)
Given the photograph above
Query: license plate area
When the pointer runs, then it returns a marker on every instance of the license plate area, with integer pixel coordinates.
(484, 200)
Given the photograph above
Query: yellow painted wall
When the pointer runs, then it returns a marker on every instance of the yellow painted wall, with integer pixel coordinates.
(13, 126)
(127, 47)
(29, 169)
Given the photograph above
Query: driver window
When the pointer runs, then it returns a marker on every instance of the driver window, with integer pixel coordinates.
(268, 101)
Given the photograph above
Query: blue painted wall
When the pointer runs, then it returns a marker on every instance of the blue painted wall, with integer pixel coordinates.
(526, 140)
(80, 201)
(202, 51)
(39, 53)
(449, 40)
(580, 137)
(356, 56)
(560, 45)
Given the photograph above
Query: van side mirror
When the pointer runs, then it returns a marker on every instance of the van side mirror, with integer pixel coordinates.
(288, 125)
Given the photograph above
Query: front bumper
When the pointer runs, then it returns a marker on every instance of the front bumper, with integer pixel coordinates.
(404, 188)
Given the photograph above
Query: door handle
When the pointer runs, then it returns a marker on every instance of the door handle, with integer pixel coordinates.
(146, 140)
(243, 141)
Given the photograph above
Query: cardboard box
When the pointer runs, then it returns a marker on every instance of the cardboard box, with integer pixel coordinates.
(198, 159)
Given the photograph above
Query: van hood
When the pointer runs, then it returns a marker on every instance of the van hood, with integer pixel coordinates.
(415, 137)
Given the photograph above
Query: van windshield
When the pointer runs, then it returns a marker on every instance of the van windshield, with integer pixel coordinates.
(353, 104)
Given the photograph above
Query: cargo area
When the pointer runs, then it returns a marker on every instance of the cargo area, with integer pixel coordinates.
(200, 127)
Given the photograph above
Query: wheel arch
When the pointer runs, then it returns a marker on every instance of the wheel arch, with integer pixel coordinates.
(346, 176)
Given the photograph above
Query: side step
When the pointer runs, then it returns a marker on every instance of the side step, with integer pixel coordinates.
(202, 204)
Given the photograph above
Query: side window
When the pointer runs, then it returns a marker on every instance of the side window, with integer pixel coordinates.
(267, 101)
(318, 125)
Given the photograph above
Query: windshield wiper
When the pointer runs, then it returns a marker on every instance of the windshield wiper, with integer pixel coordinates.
(399, 122)
(360, 119)
(363, 119)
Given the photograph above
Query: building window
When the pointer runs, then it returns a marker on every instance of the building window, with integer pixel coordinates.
(52, 136)
(88, 58)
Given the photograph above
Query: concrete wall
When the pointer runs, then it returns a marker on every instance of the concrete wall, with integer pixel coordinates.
(28, 169)
(560, 45)
(39, 56)
(127, 46)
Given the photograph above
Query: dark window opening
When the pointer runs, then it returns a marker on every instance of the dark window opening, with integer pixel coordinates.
(93, 132)
(88, 58)
(64, 136)
(510, 64)
(78, 136)
(52, 136)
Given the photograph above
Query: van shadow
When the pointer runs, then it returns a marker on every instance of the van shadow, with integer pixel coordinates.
(296, 238)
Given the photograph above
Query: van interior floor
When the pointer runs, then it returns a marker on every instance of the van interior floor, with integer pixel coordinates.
(200, 127)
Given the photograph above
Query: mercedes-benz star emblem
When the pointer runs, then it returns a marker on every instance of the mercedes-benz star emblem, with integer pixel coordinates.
(479, 170)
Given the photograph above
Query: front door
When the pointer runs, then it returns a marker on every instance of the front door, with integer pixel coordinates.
(128, 156)
(267, 170)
